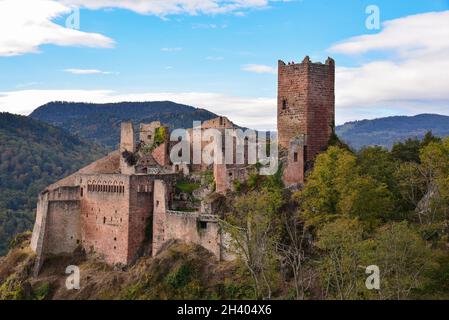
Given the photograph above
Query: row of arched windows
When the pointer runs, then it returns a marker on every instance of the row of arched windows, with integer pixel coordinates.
(113, 188)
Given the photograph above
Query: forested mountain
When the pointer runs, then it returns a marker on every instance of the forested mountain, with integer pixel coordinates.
(33, 155)
(386, 131)
(357, 212)
(101, 122)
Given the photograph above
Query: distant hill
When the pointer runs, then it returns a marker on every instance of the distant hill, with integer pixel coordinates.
(100, 123)
(386, 131)
(33, 155)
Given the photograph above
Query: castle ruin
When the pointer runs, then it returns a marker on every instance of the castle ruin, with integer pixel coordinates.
(128, 204)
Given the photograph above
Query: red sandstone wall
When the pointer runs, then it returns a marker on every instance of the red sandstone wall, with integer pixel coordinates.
(221, 180)
(321, 107)
(140, 216)
(161, 155)
(294, 170)
(308, 91)
(159, 217)
(187, 227)
(105, 216)
(63, 232)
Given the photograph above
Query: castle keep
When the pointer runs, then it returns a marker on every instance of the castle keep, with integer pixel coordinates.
(131, 202)
(306, 113)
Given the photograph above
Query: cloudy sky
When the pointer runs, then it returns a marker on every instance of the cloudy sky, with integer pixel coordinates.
(222, 54)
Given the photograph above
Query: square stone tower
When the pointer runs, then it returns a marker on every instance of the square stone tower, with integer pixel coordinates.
(306, 105)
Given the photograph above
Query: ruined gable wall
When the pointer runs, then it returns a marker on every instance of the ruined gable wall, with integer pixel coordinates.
(161, 154)
(147, 132)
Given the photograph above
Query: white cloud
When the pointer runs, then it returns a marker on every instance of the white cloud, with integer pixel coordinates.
(414, 79)
(171, 7)
(259, 68)
(86, 71)
(28, 24)
(258, 113)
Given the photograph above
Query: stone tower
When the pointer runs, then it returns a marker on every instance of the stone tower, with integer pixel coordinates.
(306, 104)
(306, 113)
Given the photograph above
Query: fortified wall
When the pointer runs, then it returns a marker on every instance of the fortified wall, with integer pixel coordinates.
(126, 204)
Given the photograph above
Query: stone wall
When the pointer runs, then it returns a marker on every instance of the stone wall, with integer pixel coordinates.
(306, 103)
(160, 196)
(105, 208)
(57, 227)
(161, 155)
(63, 227)
(140, 216)
(147, 131)
(190, 227)
(294, 171)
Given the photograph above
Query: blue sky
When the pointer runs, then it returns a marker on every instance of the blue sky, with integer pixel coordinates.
(222, 55)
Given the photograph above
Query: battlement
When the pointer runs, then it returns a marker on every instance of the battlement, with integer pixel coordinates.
(306, 61)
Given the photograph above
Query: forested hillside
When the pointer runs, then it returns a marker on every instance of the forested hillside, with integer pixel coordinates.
(100, 123)
(387, 131)
(379, 208)
(33, 155)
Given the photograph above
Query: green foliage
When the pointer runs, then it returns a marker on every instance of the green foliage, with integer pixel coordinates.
(403, 257)
(180, 276)
(41, 291)
(32, 156)
(342, 251)
(12, 289)
(187, 186)
(407, 151)
(254, 229)
(337, 186)
(100, 123)
(160, 135)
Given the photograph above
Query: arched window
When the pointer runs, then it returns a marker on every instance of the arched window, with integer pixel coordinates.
(284, 104)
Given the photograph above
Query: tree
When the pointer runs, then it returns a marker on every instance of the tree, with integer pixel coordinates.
(341, 244)
(336, 187)
(403, 258)
(293, 251)
(254, 231)
(407, 151)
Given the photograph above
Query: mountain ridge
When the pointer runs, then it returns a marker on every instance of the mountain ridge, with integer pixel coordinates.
(389, 130)
(100, 123)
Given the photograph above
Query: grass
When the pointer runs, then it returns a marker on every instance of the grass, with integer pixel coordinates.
(187, 187)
